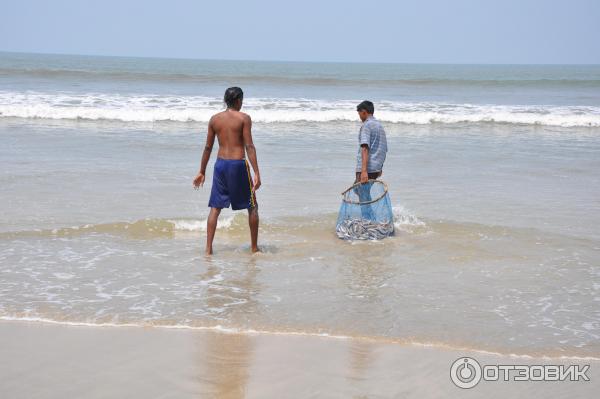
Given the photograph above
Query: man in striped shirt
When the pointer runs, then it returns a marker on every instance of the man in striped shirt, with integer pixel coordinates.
(372, 144)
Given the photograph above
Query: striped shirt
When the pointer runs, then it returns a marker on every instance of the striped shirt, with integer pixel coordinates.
(372, 134)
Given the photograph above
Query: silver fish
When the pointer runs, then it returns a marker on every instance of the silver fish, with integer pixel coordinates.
(363, 229)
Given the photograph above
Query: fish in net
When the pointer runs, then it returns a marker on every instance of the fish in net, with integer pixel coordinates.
(366, 212)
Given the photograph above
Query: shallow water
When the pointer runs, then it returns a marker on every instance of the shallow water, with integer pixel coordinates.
(496, 247)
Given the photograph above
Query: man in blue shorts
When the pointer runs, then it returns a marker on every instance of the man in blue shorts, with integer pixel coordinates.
(232, 181)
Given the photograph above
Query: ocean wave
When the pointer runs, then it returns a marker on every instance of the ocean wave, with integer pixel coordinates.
(144, 228)
(165, 108)
(147, 228)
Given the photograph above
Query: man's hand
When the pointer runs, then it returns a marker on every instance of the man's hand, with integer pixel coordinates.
(364, 153)
(199, 180)
(256, 183)
(364, 177)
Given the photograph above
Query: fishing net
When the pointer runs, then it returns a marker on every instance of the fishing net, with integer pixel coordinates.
(366, 212)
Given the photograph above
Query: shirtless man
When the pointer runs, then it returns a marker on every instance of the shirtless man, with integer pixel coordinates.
(232, 183)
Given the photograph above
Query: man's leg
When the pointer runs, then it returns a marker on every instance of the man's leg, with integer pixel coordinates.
(211, 227)
(364, 195)
(253, 222)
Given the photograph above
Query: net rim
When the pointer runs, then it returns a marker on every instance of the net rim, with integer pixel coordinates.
(385, 190)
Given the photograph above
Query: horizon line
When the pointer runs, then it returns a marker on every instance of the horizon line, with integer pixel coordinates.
(290, 61)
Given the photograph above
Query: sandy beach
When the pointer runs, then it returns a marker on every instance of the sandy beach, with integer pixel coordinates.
(42, 360)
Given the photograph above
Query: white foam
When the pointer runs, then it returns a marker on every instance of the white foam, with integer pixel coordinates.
(404, 220)
(200, 225)
(156, 108)
(64, 276)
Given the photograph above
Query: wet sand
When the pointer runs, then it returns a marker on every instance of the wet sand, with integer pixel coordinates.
(56, 361)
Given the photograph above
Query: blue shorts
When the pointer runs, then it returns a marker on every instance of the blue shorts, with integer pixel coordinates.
(232, 185)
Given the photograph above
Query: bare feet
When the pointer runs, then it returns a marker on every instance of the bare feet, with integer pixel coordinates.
(255, 250)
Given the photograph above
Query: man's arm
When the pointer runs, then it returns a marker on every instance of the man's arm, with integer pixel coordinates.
(364, 140)
(251, 150)
(210, 141)
(364, 175)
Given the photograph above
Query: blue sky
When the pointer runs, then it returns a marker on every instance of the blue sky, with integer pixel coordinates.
(438, 31)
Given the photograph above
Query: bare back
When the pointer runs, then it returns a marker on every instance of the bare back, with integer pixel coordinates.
(229, 126)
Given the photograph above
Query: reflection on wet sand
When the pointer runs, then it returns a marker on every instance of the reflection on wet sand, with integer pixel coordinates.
(361, 358)
(228, 357)
(364, 278)
(229, 364)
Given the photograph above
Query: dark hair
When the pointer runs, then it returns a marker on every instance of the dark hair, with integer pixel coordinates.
(367, 106)
(232, 95)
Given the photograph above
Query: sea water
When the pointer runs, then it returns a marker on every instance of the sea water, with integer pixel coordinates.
(492, 171)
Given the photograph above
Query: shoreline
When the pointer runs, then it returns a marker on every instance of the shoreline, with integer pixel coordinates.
(381, 340)
(51, 360)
